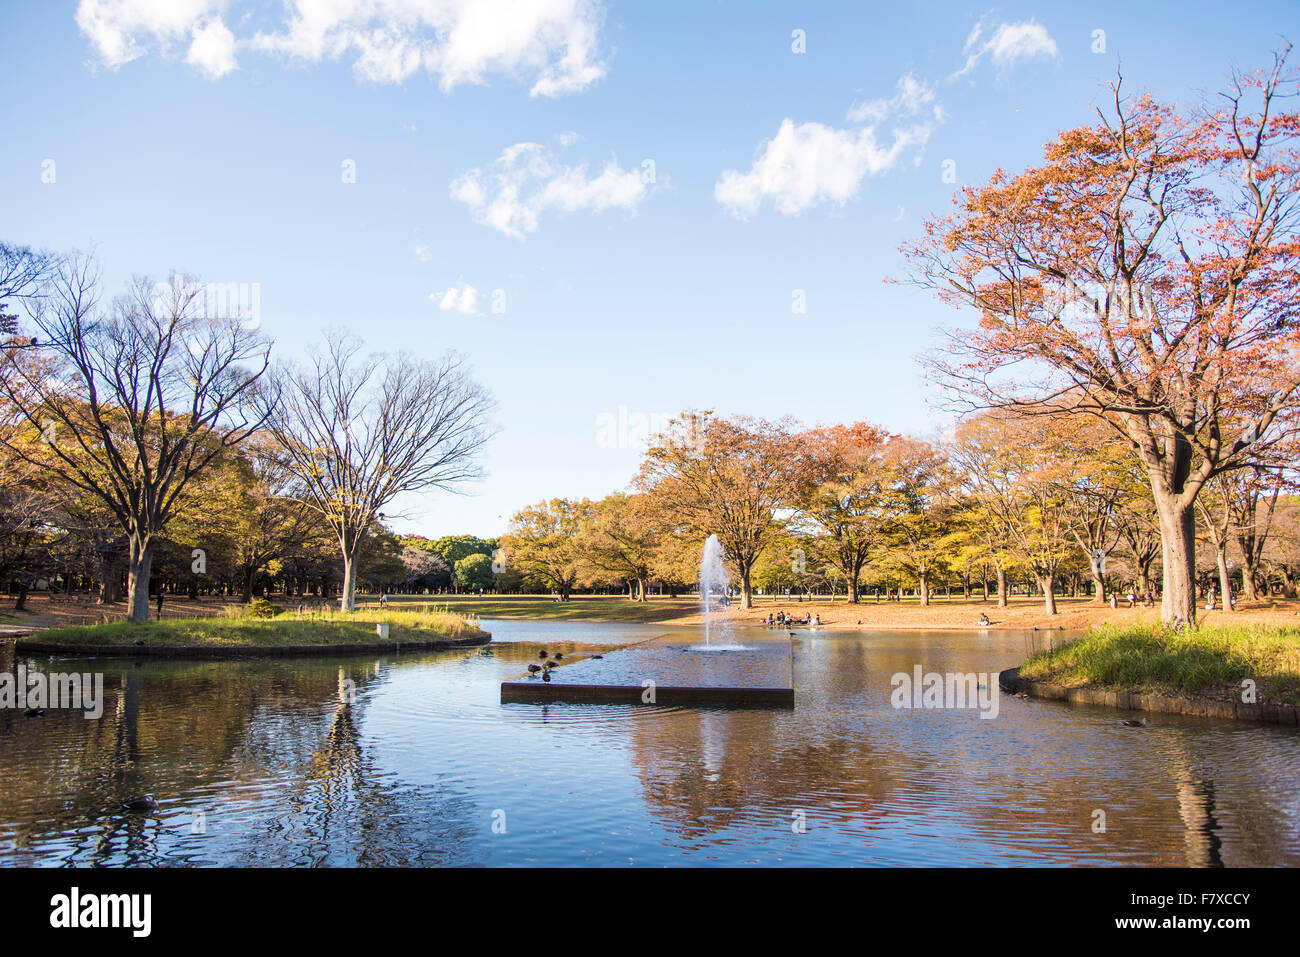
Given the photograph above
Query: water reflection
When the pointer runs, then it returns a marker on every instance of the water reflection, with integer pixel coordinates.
(410, 760)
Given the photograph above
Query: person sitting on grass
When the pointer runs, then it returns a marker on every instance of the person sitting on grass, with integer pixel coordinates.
(984, 620)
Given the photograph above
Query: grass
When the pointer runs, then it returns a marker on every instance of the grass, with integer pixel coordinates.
(577, 608)
(235, 629)
(1210, 662)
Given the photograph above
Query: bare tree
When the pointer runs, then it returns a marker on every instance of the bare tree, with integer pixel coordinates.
(129, 404)
(22, 273)
(359, 430)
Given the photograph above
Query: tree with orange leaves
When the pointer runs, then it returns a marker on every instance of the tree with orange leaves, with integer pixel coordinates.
(1147, 273)
(844, 489)
(724, 477)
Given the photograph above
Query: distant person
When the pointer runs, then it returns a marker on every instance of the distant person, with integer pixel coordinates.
(1132, 600)
(160, 601)
(984, 620)
(770, 620)
(383, 600)
(1114, 603)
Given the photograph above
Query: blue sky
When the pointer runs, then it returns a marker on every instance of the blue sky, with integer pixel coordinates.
(691, 179)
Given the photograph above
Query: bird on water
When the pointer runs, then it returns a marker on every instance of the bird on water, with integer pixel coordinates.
(146, 803)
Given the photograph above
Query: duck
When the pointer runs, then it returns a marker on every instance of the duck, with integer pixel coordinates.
(596, 657)
(146, 803)
(559, 656)
(34, 713)
(546, 676)
(542, 653)
(1131, 723)
(533, 669)
(552, 664)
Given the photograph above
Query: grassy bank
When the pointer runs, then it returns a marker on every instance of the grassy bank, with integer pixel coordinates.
(577, 608)
(237, 630)
(1209, 662)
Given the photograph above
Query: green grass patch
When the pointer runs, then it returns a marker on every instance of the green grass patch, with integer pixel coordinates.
(235, 628)
(583, 607)
(1208, 662)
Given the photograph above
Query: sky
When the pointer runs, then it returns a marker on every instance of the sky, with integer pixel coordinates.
(616, 211)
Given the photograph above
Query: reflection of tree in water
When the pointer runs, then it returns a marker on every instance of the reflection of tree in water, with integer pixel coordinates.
(227, 738)
(709, 770)
(340, 811)
(1198, 807)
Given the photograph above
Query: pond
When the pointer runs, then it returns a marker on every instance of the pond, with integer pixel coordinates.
(413, 760)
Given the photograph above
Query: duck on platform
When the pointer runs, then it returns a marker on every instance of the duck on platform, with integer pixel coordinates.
(533, 669)
(542, 653)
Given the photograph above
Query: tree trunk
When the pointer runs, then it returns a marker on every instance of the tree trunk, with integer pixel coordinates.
(137, 585)
(924, 590)
(853, 589)
(1178, 550)
(746, 590)
(1002, 588)
(1225, 577)
(1048, 584)
(348, 596)
(1249, 570)
(1144, 577)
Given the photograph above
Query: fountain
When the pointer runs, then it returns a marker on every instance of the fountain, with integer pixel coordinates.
(714, 577)
(663, 670)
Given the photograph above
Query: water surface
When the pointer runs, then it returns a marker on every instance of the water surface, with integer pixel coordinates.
(425, 766)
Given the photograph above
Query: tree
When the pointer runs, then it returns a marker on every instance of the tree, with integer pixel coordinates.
(1021, 479)
(474, 571)
(622, 539)
(272, 523)
(1097, 489)
(1147, 274)
(727, 477)
(359, 430)
(542, 543)
(453, 548)
(136, 401)
(23, 273)
(843, 493)
(919, 508)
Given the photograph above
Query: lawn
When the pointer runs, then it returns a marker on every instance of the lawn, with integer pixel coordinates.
(288, 629)
(1211, 661)
(577, 608)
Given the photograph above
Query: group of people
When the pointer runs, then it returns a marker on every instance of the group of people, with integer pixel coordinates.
(1148, 600)
(781, 619)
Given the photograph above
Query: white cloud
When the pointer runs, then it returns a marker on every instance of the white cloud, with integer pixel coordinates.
(526, 180)
(1022, 40)
(912, 98)
(122, 30)
(423, 253)
(551, 44)
(213, 49)
(810, 163)
(462, 299)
